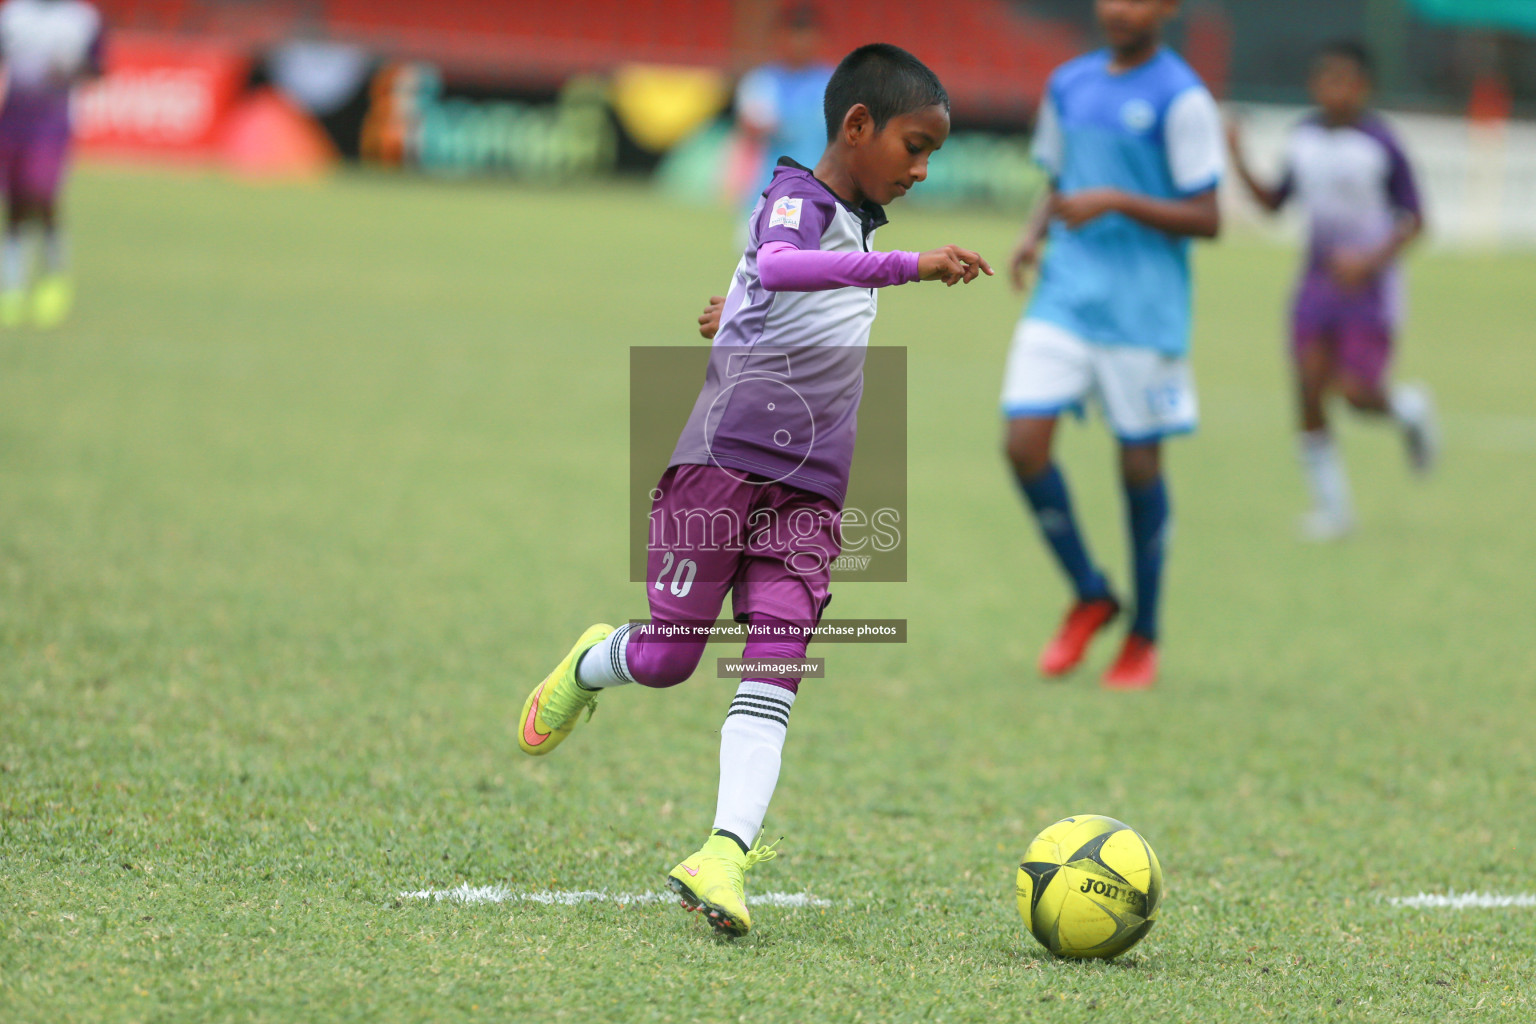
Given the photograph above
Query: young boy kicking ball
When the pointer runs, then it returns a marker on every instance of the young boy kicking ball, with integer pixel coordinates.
(752, 499)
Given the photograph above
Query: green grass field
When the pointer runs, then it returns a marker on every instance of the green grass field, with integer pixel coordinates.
(320, 480)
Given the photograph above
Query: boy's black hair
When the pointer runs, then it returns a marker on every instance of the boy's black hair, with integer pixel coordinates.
(886, 79)
(1354, 51)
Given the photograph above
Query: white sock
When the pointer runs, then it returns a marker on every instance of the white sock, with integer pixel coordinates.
(14, 256)
(606, 663)
(1325, 474)
(1408, 404)
(55, 253)
(751, 741)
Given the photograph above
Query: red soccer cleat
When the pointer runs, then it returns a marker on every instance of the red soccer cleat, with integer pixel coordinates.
(1135, 668)
(1067, 647)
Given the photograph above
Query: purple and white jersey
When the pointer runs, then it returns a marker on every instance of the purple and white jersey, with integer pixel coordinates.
(1353, 181)
(45, 46)
(781, 394)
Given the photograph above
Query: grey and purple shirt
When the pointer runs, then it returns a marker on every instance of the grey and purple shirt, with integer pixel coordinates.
(781, 393)
(1353, 181)
(45, 46)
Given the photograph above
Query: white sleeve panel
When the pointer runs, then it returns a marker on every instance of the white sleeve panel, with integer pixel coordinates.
(1193, 136)
(1046, 147)
(757, 99)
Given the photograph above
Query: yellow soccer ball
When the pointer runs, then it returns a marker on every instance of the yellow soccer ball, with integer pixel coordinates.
(1089, 886)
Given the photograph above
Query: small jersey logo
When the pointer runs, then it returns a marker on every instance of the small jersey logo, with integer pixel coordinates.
(1137, 115)
(786, 211)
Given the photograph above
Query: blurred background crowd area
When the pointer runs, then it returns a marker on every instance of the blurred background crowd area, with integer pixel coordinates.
(565, 89)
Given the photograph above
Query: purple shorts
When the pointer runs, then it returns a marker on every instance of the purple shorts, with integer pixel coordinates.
(1355, 327)
(715, 530)
(31, 163)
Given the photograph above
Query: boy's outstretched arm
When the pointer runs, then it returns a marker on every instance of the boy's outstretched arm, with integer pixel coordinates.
(783, 267)
(1197, 216)
(814, 270)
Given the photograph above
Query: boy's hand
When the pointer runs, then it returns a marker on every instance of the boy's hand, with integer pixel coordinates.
(709, 320)
(1081, 207)
(952, 265)
(1025, 256)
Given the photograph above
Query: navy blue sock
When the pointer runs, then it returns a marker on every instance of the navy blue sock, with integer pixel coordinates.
(1147, 513)
(1047, 494)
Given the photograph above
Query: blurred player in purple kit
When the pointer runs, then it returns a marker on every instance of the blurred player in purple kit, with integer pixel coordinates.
(47, 47)
(752, 500)
(1346, 169)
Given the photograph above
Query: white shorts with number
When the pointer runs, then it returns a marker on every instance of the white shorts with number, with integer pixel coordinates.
(1145, 394)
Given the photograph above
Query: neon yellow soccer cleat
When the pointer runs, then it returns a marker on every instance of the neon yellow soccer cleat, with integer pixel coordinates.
(553, 708)
(713, 880)
(52, 300)
(13, 308)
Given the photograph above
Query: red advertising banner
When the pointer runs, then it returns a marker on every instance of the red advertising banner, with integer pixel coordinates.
(160, 97)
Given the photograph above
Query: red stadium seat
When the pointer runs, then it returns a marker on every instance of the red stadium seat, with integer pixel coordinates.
(993, 58)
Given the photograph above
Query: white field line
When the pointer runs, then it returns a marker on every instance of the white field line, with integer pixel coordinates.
(1464, 900)
(570, 898)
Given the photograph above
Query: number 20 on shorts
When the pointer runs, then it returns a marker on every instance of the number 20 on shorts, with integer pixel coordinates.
(682, 578)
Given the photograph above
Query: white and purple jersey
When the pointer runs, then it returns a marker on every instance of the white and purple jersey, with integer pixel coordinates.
(1353, 181)
(781, 394)
(45, 47)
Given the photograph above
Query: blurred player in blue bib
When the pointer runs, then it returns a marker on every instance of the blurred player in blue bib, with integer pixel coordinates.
(779, 104)
(1132, 142)
(1345, 168)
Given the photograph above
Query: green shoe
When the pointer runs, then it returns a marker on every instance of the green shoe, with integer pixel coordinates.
(52, 300)
(552, 709)
(714, 881)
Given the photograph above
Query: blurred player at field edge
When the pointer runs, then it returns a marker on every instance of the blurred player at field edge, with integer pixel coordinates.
(1346, 169)
(778, 105)
(46, 48)
(1131, 140)
(770, 483)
